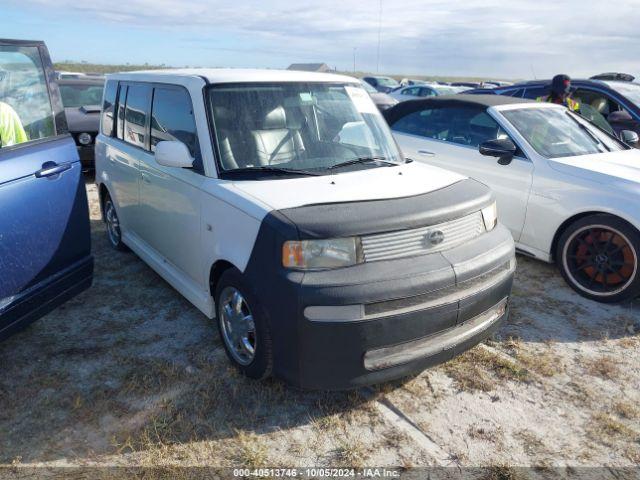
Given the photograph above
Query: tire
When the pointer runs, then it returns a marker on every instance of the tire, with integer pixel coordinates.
(114, 233)
(249, 345)
(598, 258)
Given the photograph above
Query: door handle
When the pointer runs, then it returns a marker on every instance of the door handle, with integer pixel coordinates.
(145, 178)
(49, 169)
(426, 153)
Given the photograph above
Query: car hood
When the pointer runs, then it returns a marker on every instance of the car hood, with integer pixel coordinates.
(83, 119)
(367, 184)
(602, 167)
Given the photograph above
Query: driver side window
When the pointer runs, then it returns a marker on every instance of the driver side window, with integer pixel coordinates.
(25, 107)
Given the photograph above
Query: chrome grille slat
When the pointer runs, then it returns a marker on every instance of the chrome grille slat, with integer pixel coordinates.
(406, 243)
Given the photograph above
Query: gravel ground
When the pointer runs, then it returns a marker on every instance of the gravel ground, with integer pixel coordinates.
(129, 373)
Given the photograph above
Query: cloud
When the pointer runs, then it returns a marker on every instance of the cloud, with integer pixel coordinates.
(476, 37)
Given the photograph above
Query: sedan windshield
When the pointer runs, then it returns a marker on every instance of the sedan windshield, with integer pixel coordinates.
(310, 128)
(555, 132)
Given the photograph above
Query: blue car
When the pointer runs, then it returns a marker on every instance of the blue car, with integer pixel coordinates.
(45, 243)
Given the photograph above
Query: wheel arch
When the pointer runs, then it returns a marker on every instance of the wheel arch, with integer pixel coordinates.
(103, 192)
(564, 225)
(216, 271)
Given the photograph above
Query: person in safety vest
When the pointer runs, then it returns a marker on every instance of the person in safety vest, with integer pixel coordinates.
(560, 93)
(11, 129)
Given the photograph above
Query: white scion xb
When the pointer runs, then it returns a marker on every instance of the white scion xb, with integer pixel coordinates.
(279, 204)
(568, 191)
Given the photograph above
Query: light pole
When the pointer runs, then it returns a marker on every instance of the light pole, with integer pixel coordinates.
(354, 59)
(379, 34)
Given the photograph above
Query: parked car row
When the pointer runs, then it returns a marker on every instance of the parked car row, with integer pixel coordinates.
(281, 206)
(613, 105)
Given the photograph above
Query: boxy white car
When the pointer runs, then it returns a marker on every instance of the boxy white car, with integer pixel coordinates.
(279, 204)
(568, 191)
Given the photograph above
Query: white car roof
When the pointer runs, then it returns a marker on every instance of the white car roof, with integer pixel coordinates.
(230, 75)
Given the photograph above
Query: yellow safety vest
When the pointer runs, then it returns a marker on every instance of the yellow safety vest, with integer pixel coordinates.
(11, 129)
(570, 103)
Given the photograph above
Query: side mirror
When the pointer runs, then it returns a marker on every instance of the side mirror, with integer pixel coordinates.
(621, 116)
(630, 137)
(173, 154)
(503, 148)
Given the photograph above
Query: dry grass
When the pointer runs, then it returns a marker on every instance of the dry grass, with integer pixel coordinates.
(626, 409)
(605, 367)
(606, 429)
(478, 369)
(251, 451)
(351, 452)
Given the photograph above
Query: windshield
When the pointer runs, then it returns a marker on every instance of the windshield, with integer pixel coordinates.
(368, 87)
(629, 90)
(74, 96)
(304, 127)
(555, 132)
(387, 82)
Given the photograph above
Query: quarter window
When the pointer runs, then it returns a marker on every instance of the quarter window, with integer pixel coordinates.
(135, 115)
(26, 112)
(172, 119)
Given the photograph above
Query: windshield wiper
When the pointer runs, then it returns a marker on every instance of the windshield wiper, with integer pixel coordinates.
(589, 132)
(355, 161)
(272, 169)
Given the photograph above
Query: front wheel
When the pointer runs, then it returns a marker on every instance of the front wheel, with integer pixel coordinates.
(598, 258)
(243, 326)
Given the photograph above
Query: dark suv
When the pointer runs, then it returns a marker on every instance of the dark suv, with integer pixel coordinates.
(617, 101)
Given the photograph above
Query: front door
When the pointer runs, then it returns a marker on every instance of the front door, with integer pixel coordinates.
(45, 246)
(169, 196)
(449, 137)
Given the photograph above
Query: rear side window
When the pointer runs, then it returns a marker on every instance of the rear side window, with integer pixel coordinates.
(108, 106)
(26, 112)
(172, 119)
(135, 115)
(459, 125)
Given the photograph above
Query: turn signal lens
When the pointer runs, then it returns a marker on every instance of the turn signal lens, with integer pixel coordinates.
(490, 216)
(319, 254)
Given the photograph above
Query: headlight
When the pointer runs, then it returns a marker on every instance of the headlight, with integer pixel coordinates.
(490, 216)
(318, 254)
(84, 138)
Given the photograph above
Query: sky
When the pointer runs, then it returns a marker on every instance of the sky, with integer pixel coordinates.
(508, 39)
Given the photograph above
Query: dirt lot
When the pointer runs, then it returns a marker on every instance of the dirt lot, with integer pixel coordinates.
(129, 373)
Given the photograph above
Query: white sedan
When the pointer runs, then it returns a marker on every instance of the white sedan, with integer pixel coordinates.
(568, 191)
(413, 92)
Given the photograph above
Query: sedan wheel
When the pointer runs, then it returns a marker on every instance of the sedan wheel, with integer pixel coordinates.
(600, 260)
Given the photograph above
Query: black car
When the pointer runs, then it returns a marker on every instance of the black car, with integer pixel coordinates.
(81, 98)
(617, 101)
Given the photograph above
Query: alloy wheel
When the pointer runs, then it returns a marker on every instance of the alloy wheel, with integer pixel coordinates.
(600, 260)
(113, 224)
(237, 325)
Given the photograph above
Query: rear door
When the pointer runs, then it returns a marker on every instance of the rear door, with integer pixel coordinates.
(45, 249)
(449, 137)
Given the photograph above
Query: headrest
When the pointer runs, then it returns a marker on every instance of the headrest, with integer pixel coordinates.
(222, 114)
(600, 104)
(275, 119)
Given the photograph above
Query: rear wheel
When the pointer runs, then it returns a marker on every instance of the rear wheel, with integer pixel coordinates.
(243, 326)
(114, 233)
(598, 257)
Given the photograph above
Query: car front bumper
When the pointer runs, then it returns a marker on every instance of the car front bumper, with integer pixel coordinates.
(383, 320)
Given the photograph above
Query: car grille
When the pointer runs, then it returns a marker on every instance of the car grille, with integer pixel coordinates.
(423, 240)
